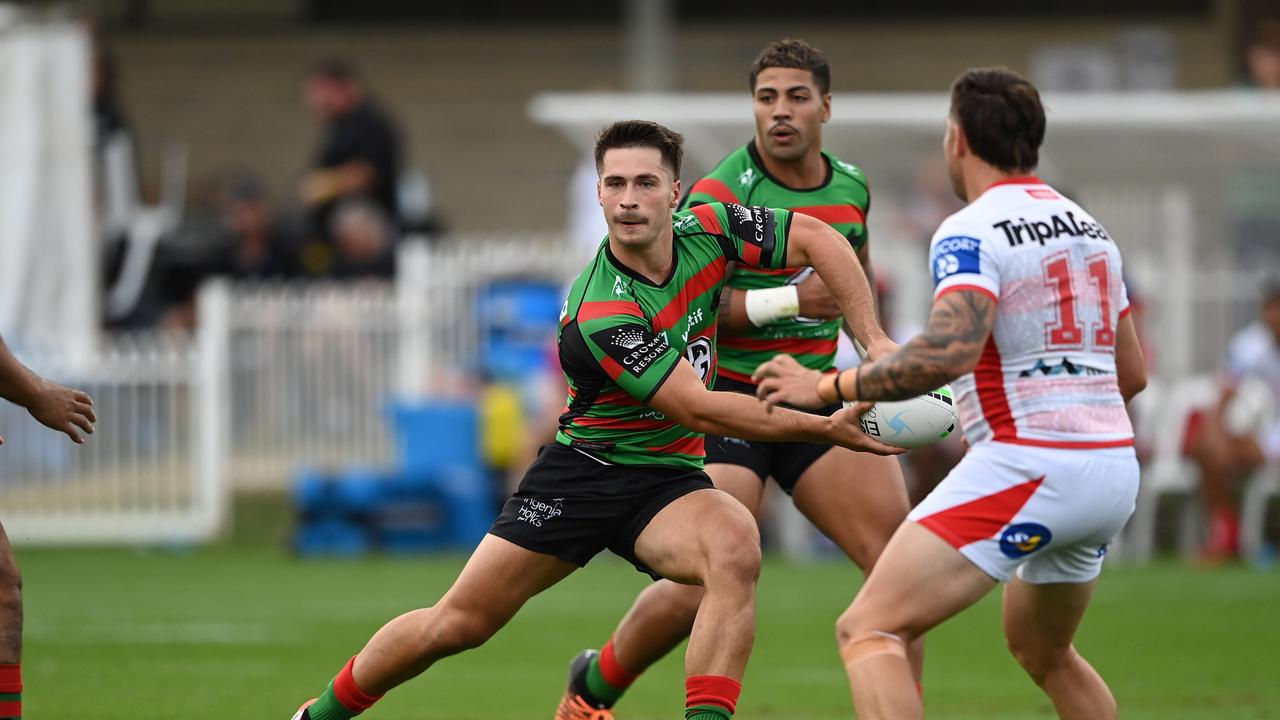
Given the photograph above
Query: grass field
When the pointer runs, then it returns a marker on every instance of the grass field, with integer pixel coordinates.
(249, 633)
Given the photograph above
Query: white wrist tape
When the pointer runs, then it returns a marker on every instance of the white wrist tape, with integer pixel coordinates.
(770, 304)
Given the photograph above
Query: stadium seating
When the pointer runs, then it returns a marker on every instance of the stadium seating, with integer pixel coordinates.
(436, 497)
(1164, 415)
(1260, 490)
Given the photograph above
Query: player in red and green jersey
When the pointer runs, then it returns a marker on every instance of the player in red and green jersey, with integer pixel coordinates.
(841, 199)
(625, 472)
(856, 499)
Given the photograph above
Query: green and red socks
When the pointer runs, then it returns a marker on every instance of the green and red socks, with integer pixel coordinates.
(606, 679)
(711, 697)
(11, 692)
(342, 699)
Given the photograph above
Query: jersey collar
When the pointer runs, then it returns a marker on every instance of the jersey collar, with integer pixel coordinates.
(639, 277)
(758, 161)
(1020, 180)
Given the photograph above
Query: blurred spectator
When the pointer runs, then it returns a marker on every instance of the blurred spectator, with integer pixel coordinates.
(257, 245)
(237, 236)
(116, 185)
(115, 157)
(363, 241)
(1243, 433)
(359, 155)
(1262, 55)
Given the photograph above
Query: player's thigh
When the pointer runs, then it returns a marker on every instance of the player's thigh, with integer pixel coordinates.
(919, 581)
(856, 499)
(739, 481)
(697, 531)
(500, 577)
(1041, 618)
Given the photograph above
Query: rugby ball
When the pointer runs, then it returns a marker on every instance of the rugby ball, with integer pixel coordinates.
(914, 423)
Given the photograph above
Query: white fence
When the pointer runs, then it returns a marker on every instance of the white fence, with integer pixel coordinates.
(285, 376)
(151, 472)
(436, 289)
(312, 371)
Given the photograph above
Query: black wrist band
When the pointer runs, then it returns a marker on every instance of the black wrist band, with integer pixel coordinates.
(839, 395)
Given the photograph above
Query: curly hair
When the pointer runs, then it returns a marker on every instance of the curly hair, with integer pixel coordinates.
(793, 53)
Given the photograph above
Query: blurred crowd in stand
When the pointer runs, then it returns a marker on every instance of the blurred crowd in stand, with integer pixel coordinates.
(351, 206)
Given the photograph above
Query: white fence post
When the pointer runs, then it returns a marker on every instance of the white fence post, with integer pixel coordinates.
(211, 427)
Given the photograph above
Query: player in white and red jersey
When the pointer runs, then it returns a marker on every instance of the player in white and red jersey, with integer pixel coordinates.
(1030, 323)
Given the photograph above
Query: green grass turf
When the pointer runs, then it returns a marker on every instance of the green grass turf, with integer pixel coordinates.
(237, 632)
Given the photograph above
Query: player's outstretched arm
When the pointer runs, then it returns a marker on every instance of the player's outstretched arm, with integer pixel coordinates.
(1131, 364)
(814, 243)
(685, 399)
(57, 407)
(952, 342)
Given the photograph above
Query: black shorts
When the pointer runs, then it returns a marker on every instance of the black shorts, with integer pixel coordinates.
(785, 462)
(572, 506)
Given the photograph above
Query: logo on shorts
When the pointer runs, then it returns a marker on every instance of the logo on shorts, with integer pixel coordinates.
(1023, 539)
(535, 512)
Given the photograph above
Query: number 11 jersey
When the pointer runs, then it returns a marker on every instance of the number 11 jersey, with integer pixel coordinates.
(1047, 375)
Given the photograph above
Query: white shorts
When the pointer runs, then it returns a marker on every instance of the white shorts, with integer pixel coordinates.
(1046, 512)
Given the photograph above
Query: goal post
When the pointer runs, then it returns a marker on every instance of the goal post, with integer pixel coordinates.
(1179, 178)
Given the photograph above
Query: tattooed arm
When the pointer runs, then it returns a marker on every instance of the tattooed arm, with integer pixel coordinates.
(949, 347)
(959, 325)
(731, 313)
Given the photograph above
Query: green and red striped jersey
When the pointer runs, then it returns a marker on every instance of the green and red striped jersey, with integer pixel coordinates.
(621, 335)
(841, 201)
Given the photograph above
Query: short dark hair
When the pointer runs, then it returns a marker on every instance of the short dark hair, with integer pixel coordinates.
(334, 68)
(793, 53)
(1001, 116)
(642, 133)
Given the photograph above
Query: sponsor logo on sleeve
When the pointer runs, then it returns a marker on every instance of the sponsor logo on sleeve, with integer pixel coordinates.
(686, 223)
(746, 177)
(632, 346)
(954, 255)
(753, 224)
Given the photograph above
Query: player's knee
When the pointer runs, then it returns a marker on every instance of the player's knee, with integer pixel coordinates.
(735, 557)
(849, 625)
(1038, 659)
(859, 621)
(455, 631)
(674, 604)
